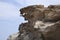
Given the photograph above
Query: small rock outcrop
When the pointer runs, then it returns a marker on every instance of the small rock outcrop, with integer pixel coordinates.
(43, 23)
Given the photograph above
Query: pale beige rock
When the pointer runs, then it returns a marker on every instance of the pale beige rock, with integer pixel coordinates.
(13, 36)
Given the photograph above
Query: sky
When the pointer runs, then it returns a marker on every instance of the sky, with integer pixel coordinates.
(10, 16)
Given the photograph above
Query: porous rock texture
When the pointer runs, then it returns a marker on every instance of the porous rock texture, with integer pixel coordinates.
(43, 23)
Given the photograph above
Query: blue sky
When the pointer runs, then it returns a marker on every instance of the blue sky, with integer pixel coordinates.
(10, 17)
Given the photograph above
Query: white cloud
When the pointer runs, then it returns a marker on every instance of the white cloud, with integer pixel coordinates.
(29, 2)
(7, 10)
(53, 2)
(32, 2)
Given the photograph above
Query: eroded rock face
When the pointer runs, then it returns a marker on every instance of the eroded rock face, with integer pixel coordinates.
(13, 36)
(52, 32)
(43, 23)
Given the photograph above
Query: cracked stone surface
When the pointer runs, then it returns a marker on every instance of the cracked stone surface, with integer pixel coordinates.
(43, 23)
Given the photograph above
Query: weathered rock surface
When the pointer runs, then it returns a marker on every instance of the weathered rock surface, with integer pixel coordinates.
(43, 23)
(13, 36)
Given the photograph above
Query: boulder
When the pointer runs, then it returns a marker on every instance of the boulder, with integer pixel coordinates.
(43, 23)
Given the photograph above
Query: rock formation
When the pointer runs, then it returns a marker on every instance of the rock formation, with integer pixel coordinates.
(43, 23)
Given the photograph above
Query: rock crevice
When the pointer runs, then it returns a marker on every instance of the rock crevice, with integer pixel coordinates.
(43, 23)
